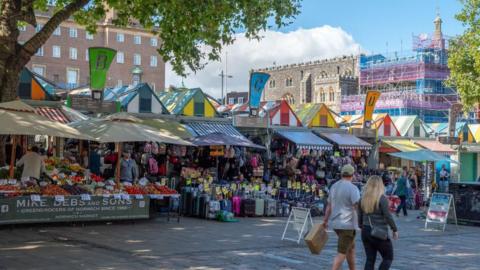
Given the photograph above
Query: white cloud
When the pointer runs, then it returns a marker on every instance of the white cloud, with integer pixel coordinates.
(275, 47)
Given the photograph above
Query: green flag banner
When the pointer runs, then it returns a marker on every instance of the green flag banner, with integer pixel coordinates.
(100, 60)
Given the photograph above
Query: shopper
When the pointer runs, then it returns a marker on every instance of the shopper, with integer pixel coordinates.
(341, 213)
(374, 216)
(128, 169)
(33, 164)
(401, 190)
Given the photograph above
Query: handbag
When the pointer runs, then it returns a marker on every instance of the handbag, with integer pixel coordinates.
(377, 232)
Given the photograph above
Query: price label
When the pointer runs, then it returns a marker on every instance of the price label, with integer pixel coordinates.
(164, 181)
(59, 198)
(218, 190)
(117, 196)
(233, 186)
(189, 182)
(3, 182)
(85, 197)
(139, 196)
(206, 186)
(225, 191)
(274, 192)
(106, 195)
(109, 187)
(125, 197)
(277, 184)
(35, 198)
(289, 184)
(257, 187)
(12, 181)
(314, 186)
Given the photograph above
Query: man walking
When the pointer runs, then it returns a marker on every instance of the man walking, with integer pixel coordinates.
(341, 211)
(401, 190)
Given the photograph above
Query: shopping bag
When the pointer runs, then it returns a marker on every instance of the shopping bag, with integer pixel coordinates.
(393, 203)
(316, 238)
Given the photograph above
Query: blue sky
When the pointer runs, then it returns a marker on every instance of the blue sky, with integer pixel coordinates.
(373, 23)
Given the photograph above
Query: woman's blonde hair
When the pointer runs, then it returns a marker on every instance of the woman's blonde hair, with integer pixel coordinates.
(372, 192)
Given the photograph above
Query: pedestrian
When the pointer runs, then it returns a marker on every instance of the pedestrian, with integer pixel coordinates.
(128, 169)
(33, 164)
(444, 175)
(401, 190)
(341, 213)
(374, 220)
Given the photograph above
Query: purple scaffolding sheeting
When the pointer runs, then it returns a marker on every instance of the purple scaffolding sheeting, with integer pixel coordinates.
(400, 73)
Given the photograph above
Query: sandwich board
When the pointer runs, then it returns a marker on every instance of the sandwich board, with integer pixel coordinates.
(299, 220)
(440, 209)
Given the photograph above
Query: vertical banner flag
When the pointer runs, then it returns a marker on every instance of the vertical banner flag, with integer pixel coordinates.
(257, 84)
(100, 59)
(370, 101)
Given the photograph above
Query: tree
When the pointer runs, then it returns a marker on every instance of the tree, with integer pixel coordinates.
(185, 27)
(464, 56)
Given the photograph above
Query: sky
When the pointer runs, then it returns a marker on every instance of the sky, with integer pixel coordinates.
(325, 29)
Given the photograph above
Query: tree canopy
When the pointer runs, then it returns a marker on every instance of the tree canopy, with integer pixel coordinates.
(464, 56)
(191, 31)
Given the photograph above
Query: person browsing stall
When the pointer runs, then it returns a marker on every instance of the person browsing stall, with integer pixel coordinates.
(128, 169)
(33, 164)
(375, 220)
(341, 214)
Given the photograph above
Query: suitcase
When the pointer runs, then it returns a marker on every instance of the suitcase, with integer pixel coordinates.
(204, 199)
(270, 208)
(248, 208)
(282, 209)
(212, 208)
(226, 205)
(236, 205)
(259, 207)
(196, 206)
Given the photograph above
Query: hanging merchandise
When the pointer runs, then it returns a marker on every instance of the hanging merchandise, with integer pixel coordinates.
(162, 149)
(154, 148)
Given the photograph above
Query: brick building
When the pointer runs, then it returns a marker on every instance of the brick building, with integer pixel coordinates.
(236, 97)
(63, 59)
(322, 81)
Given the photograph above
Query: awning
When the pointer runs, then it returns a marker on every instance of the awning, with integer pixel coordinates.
(54, 114)
(400, 145)
(346, 141)
(209, 127)
(305, 139)
(422, 155)
(223, 139)
(168, 126)
(436, 146)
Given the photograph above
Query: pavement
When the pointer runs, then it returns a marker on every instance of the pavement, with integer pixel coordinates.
(196, 244)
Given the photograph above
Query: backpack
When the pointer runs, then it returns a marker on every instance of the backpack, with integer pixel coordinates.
(152, 166)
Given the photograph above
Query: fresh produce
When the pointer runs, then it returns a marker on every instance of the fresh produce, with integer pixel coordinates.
(134, 190)
(96, 178)
(9, 190)
(52, 190)
(75, 189)
(151, 189)
(165, 190)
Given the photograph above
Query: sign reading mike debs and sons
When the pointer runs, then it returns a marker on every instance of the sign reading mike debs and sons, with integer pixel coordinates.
(36, 209)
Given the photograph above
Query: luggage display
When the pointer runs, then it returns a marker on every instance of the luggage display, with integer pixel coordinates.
(226, 205)
(196, 205)
(270, 208)
(248, 208)
(204, 199)
(212, 208)
(236, 205)
(259, 207)
(316, 238)
(283, 209)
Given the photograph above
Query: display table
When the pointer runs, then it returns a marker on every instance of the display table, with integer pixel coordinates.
(467, 201)
(47, 209)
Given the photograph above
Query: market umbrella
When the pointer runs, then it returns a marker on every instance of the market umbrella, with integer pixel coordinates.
(18, 118)
(122, 127)
(218, 138)
(422, 155)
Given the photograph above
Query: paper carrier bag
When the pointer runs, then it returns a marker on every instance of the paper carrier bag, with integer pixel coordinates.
(316, 239)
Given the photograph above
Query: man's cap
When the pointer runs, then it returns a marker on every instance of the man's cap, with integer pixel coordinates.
(348, 170)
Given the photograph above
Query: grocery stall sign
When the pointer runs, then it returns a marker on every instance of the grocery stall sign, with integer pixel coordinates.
(73, 208)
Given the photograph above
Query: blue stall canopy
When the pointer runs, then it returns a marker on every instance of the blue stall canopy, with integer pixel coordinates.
(305, 139)
(422, 155)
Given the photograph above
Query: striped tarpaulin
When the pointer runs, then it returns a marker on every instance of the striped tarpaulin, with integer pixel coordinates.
(54, 114)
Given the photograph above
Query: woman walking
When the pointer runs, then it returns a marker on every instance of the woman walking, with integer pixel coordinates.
(374, 219)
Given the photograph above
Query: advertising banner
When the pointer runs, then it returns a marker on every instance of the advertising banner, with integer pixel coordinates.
(370, 101)
(100, 59)
(439, 208)
(257, 85)
(44, 209)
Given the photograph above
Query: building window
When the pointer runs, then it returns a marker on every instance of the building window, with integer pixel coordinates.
(120, 57)
(88, 35)
(272, 84)
(57, 31)
(288, 82)
(231, 101)
(39, 51)
(154, 42)
(120, 37)
(119, 83)
(73, 53)
(301, 74)
(72, 77)
(137, 59)
(240, 100)
(338, 70)
(137, 40)
(40, 70)
(22, 28)
(135, 79)
(87, 58)
(73, 32)
(38, 28)
(56, 51)
(153, 61)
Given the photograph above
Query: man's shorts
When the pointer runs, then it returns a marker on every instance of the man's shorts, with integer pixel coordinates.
(346, 240)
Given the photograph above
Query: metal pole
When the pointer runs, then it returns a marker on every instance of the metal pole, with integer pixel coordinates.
(222, 75)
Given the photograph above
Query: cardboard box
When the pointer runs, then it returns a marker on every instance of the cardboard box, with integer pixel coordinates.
(316, 239)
